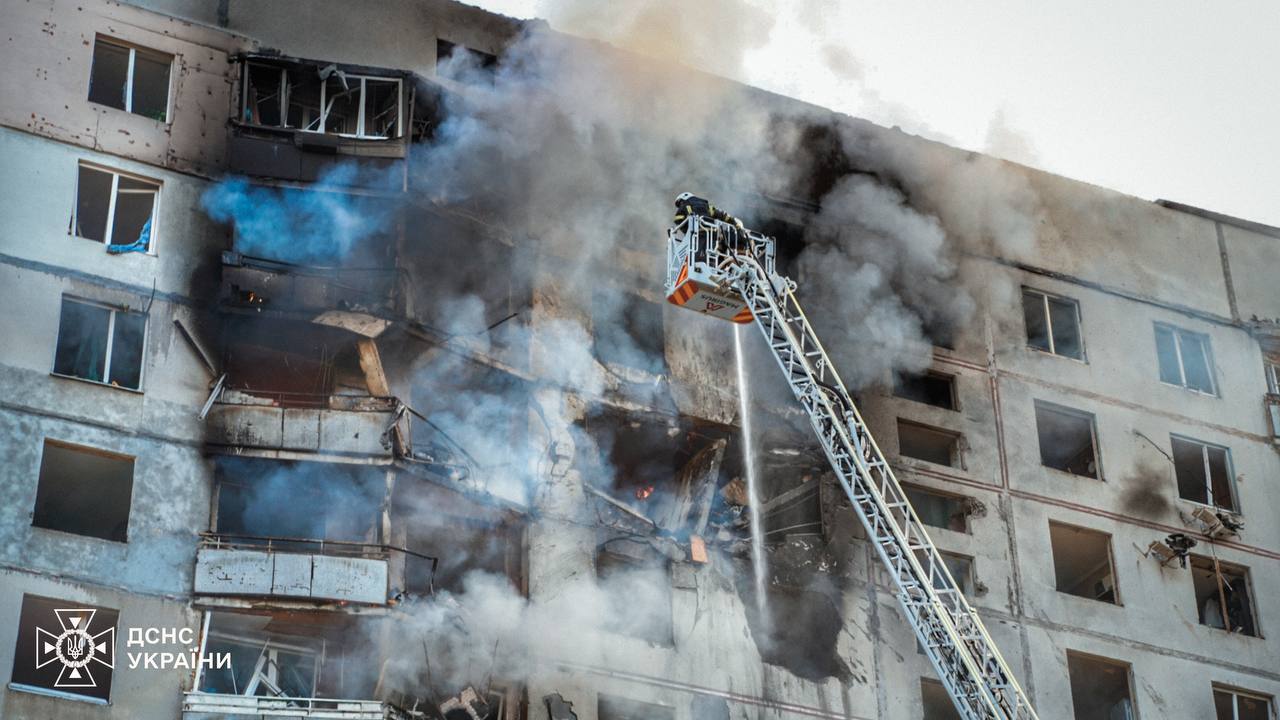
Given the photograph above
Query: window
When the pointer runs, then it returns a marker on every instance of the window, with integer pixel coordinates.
(1271, 366)
(638, 592)
(322, 100)
(132, 79)
(929, 444)
(936, 701)
(1230, 704)
(930, 388)
(47, 627)
(100, 343)
(1185, 358)
(936, 509)
(1224, 598)
(84, 490)
(1053, 324)
(1203, 472)
(1067, 440)
(961, 569)
(267, 667)
(1099, 688)
(1082, 562)
(116, 210)
(609, 707)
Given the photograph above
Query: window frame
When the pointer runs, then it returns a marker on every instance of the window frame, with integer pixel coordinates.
(1093, 436)
(1236, 693)
(1118, 601)
(957, 450)
(1100, 659)
(287, 87)
(1271, 371)
(1048, 323)
(153, 239)
(134, 49)
(949, 378)
(111, 326)
(1208, 475)
(66, 445)
(923, 490)
(1245, 573)
(1207, 345)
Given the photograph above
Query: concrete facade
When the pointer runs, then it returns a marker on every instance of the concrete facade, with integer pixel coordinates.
(400, 502)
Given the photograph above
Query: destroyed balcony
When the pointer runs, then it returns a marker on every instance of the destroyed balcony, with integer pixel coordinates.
(293, 426)
(215, 706)
(243, 566)
(363, 300)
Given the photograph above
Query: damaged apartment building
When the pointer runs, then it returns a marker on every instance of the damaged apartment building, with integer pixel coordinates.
(264, 384)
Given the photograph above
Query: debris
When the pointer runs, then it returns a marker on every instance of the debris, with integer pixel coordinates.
(468, 701)
(559, 708)
(735, 492)
(697, 549)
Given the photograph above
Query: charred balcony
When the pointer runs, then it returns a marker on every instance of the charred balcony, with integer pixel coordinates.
(364, 299)
(289, 426)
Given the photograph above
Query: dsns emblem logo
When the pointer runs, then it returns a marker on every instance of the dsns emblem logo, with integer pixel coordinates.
(73, 646)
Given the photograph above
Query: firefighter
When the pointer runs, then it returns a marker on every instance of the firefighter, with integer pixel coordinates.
(689, 204)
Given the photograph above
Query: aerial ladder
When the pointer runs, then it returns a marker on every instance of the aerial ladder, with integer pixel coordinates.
(722, 270)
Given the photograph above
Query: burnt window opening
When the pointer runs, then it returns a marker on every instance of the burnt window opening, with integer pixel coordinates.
(322, 99)
(628, 330)
(116, 210)
(931, 388)
(1053, 324)
(45, 629)
(130, 78)
(611, 707)
(1203, 472)
(261, 501)
(936, 701)
(465, 535)
(1224, 595)
(1099, 688)
(100, 343)
(84, 490)
(796, 632)
(637, 586)
(1068, 440)
(940, 510)
(296, 364)
(795, 511)
(1082, 564)
(1185, 359)
(930, 444)
(474, 59)
(1232, 704)
(789, 243)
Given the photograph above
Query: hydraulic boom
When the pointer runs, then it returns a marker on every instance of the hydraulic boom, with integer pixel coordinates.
(715, 268)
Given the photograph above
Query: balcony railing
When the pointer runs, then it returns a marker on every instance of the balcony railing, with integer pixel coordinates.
(211, 706)
(250, 283)
(294, 426)
(305, 569)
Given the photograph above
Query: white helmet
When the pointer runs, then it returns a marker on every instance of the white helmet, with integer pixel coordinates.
(684, 197)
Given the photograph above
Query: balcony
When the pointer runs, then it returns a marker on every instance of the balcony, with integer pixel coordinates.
(363, 300)
(293, 426)
(309, 570)
(215, 706)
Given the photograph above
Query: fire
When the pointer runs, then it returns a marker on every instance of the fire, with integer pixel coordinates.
(643, 493)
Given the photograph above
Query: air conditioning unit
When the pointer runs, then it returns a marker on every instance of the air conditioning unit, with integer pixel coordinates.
(1218, 522)
(1174, 547)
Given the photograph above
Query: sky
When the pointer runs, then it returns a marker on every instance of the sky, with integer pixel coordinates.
(1176, 100)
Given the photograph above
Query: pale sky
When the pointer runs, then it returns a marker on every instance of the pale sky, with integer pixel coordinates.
(1176, 99)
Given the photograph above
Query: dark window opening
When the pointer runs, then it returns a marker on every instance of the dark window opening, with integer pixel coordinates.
(637, 587)
(939, 510)
(1053, 324)
(1099, 688)
(45, 632)
(795, 632)
(931, 388)
(100, 343)
(922, 442)
(296, 364)
(115, 209)
(937, 701)
(789, 243)
(609, 707)
(1231, 704)
(1082, 562)
(1185, 358)
(321, 99)
(475, 59)
(1224, 598)
(269, 499)
(1203, 472)
(465, 534)
(130, 79)
(84, 490)
(961, 569)
(1067, 440)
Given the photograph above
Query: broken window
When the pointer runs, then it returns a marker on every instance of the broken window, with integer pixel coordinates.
(84, 490)
(938, 509)
(267, 666)
(1232, 704)
(1068, 440)
(323, 100)
(1082, 562)
(931, 388)
(46, 630)
(930, 444)
(100, 343)
(637, 587)
(610, 707)
(1203, 472)
(116, 210)
(129, 78)
(1099, 688)
(1224, 598)
(1053, 323)
(1185, 358)
(936, 701)
(794, 630)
